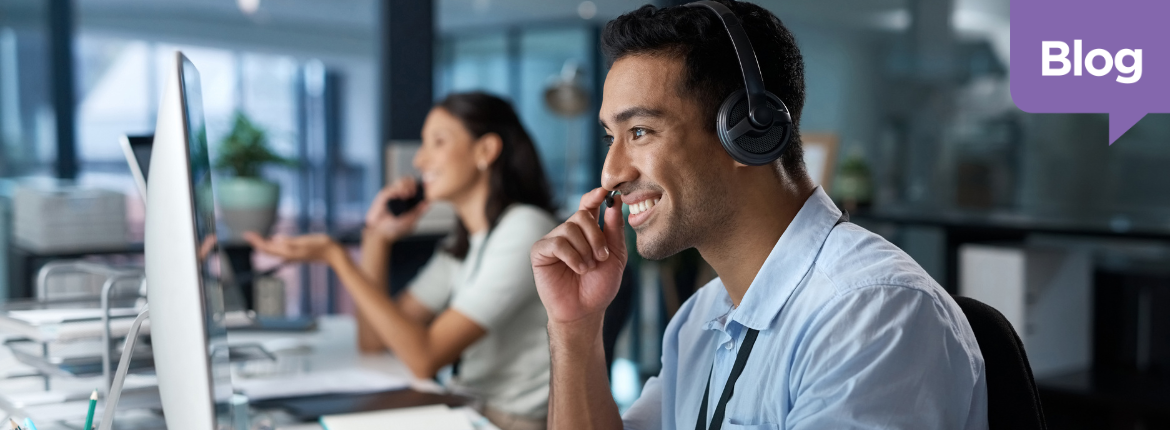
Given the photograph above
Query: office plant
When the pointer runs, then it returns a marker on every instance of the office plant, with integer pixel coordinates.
(247, 200)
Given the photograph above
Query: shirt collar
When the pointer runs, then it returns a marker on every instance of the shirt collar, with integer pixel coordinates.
(787, 264)
(719, 309)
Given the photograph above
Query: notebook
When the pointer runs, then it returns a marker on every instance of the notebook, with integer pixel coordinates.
(58, 316)
(319, 382)
(434, 417)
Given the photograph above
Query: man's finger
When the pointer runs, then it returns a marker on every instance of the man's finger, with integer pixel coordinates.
(587, 224)
(557, 250)
(591, 201)
(576, 238)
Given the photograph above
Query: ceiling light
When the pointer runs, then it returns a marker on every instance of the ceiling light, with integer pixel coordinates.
(587, 10)
(481, 6)
(248, 7)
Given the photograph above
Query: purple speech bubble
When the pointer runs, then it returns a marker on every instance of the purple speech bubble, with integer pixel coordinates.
(1113, 29)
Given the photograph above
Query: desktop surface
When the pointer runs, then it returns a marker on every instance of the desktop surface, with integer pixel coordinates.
(334, 347)
(310, 408)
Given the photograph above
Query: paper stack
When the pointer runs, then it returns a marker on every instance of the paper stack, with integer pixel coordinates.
(434, 417)
(54, 217)
(338, 381)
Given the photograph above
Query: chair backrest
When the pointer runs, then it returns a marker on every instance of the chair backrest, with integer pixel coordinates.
(1012, 399)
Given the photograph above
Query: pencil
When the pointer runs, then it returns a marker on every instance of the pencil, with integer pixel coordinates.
(12, 423)
(92, 407)
(28, 424)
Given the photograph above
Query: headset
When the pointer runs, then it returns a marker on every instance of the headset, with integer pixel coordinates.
(753, 125)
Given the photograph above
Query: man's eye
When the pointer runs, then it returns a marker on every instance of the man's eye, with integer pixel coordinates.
(639, 132)
(607, 140)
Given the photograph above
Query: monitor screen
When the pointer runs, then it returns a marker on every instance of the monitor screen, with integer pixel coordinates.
(208, 248)
(137, 150)
(140, 145)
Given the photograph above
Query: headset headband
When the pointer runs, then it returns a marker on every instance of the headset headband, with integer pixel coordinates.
(759, 113)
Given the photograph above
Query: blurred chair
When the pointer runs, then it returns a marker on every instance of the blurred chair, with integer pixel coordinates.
(617, 315)
(1012, 399)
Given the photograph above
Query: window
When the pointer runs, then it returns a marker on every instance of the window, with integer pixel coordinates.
(120, 83)
(518, 65)
(27, 136)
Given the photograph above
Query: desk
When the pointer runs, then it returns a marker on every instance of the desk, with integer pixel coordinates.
(334, 347)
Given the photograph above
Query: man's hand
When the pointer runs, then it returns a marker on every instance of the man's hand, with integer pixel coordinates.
(578, 267)
(389, 227)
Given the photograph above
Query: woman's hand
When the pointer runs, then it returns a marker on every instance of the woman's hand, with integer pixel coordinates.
(578, 267)
(387, 226)
(310, 247)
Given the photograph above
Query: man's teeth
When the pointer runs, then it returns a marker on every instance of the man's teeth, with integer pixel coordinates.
(643, 206)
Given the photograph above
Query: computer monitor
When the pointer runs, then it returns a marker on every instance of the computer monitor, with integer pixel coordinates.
(137, 152)
(188, 335)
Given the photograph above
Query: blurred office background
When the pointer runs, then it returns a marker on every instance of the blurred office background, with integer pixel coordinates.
(908, 105)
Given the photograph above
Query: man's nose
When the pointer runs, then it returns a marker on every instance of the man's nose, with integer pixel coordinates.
(618, 168)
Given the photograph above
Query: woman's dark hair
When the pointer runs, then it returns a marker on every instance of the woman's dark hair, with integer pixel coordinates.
(516, 174)
(696, 36)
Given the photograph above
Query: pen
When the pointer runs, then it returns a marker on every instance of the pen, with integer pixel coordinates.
(28, 424)
(92, 407)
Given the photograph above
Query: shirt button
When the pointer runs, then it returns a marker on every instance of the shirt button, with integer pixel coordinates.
(728, 344)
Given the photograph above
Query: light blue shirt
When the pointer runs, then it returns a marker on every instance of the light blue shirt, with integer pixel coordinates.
(853, 335)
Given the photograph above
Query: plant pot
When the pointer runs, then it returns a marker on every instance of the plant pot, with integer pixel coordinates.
(854, 190)
(248, 204)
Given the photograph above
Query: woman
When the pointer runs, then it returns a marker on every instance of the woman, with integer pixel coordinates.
(475, 300)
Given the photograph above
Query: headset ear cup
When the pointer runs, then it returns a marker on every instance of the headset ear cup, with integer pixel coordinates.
(757, 147)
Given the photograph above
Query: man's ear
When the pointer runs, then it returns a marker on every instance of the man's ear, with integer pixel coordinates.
(487, 149)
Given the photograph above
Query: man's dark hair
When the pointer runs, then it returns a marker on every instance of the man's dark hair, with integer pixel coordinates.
(711, 70)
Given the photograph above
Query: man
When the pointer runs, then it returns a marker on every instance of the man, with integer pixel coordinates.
(849, 332)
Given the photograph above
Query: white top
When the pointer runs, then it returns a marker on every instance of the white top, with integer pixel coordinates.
(493, 286)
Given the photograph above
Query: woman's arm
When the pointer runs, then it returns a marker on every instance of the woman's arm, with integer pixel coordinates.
(375, 255)
(424, 349)
(382, 229)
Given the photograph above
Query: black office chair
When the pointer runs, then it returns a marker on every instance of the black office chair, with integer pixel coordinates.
(617, 315)
(1012, 399)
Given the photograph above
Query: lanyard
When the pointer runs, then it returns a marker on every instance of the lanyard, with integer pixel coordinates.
(749, 340)
(745, 350)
